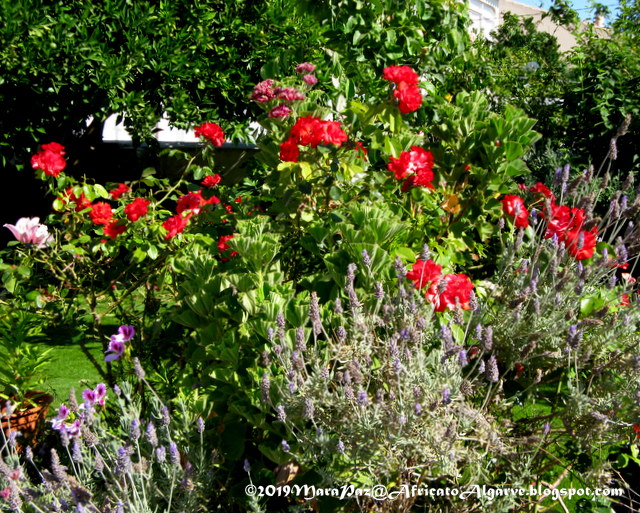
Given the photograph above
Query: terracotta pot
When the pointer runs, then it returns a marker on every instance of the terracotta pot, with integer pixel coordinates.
(28, 421)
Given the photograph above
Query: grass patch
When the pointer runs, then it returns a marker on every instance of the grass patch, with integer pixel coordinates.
(69, 367)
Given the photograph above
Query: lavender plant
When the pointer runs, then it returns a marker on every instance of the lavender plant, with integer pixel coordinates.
(111, 461)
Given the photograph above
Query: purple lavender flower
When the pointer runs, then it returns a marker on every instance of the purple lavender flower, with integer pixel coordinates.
(301, 343)
(161, 454)
(340, 447)
(246, 466)
(446, 396)
(137, 368)
(417, 409)
(123, 461)
(492, 372)
(134, 430)
(281, 413)
(265, 387)
(341, 333)
(308, 409)
(462, 358)
(574, 336)
(165, 418)
(366, 259)
(174, 454)
(487, 341)
(200, 425)
(270, 334)
(362, 399)
(151, 435)
(285, 446)
(76, 451)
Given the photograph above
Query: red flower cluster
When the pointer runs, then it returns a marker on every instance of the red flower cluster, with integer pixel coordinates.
(513, 206)
(136, 209)
(211, 180)
(119, 191)
(49, 159)
(442, 291)
(101, 213)
(415, 167)
(81, 202)
(114, 228)
(565, 223)
(407, 91)
(188, 205)
(211, 132)
(311, 131)
(176, 224)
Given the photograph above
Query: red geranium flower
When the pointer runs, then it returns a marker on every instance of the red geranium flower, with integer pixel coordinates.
(513, 206)
(211, 180)
(362, 150)
(625, 300)
(311, 131)
(457, 286)
(175, 225)
(211, 132)
(119, 191)
(136, 209)
(289, 151)
(564, 219)
(114, 228)
(425, 272)
(542, 189)
(580, 244)
(192, 201)
(409, 98)
(101, 213)
(223, 246)
(400, 74)
(416, 165)
(49, 159)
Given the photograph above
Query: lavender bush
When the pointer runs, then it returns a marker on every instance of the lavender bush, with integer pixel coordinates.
(110, 459)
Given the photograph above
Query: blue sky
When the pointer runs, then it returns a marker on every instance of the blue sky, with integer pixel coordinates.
(582, 6)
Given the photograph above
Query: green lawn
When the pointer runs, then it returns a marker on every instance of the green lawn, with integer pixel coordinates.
(68, 368)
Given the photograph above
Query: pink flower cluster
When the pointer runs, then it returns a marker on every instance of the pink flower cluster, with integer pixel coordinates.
(116, 342)
(267, 91)
(68, 423)
(29, 231)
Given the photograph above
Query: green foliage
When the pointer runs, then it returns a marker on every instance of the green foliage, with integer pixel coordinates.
(62, 64)
(23, 359)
